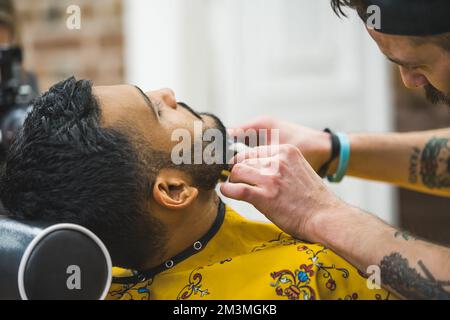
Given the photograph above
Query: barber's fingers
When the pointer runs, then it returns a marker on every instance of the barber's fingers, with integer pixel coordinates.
(260, 152)
(248, 173)
(263, 122)
(240, 191)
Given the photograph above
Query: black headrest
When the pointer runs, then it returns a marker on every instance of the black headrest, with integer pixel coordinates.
(44, 261)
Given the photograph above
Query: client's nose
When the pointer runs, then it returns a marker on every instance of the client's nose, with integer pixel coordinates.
(167, 96)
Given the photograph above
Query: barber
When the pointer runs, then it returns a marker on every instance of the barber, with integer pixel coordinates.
(415, 34)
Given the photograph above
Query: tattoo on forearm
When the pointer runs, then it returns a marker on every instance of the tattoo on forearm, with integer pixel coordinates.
(435, 163)
(397, 274)
(404, 234)
(414, 165)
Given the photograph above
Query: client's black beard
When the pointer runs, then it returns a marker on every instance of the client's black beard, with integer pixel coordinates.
(435, 96)
(221, 127)
(205, 175)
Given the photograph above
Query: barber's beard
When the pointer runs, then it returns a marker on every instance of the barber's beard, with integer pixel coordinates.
(435, 96)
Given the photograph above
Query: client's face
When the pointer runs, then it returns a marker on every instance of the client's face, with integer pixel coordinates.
(154, 115)
(156, 119)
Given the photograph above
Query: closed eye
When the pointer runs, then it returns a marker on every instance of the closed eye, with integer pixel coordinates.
(149, 102)
(158, 108)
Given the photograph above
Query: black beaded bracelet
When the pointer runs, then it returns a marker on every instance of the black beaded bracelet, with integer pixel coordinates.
(335, 150)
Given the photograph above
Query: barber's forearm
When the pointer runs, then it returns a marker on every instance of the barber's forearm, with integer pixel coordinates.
(418, 160)
(414, 269)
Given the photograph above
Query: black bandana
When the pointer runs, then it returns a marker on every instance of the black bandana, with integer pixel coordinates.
(411, 17)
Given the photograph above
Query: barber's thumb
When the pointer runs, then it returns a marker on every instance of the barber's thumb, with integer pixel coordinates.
(237, 191)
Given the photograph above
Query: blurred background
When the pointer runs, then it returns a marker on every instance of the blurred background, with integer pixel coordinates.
(293, 59)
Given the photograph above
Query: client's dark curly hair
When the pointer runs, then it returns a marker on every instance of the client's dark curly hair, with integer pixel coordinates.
(65, 167)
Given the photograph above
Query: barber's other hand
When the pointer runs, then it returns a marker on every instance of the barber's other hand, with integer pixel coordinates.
(282, 185)
(315, 145)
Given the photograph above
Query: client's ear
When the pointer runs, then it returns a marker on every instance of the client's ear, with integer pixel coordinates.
(172, 189)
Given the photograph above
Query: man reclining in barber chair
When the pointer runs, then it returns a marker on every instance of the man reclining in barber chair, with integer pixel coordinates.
(101, 158)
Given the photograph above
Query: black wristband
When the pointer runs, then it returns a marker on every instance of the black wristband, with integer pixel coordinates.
(335, 150)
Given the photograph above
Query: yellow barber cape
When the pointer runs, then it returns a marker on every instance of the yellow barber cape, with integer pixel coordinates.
(249, 260)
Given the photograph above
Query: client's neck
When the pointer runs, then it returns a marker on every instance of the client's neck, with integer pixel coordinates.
(186, 228)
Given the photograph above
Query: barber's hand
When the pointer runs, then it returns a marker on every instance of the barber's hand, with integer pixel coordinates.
(281, 184)
(315, 145)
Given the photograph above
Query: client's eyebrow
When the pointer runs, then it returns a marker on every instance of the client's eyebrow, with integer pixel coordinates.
(147, 100)
(401, 63)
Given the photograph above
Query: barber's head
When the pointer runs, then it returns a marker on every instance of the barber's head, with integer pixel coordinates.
(101, 157)
(424, 62)
(423, 57)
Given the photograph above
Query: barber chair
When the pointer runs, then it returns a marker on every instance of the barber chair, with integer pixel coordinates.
(41, 261)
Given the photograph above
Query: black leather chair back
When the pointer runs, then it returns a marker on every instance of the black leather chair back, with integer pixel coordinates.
(44, 261)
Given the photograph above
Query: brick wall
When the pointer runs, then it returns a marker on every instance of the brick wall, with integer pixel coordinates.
(55, 52)
(422, 214)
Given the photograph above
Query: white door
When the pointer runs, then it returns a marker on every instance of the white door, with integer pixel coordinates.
(293, 59)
